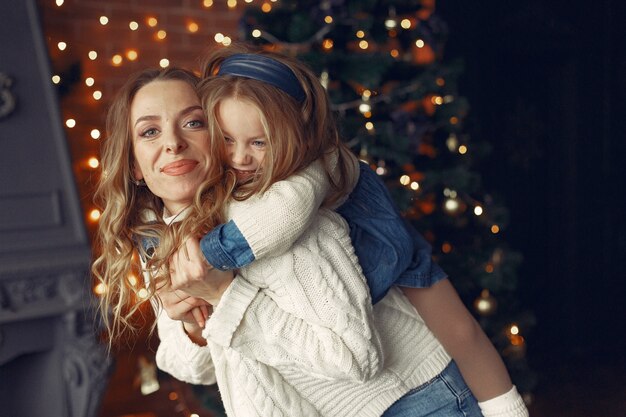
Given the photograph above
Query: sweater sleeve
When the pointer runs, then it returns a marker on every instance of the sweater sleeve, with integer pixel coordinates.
(314, 311)
(281, 214)
(179, 356)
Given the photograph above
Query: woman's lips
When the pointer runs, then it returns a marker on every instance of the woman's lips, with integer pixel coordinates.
(181, 167)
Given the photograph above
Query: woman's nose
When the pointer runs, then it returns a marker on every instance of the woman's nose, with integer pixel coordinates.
(175, 144)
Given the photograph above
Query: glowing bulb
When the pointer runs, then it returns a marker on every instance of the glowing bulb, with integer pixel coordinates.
(59, 3)
(405, 24)
(131, 54)
(446, 247)
(256, 33)
(227, 41)
(89, 81)
(364, 108)
(394, 53)
(161, 34)
(231, 3)
(207, 3)
(164, 63)
(104, 20)
(419, 43)
(219, 37)
(514, 329)
(328, 44)
(452, 204)
(92, 55)
(266, 7)
(405, 180)
(143, 293)
(94, 215)
(360, 34)
(415, 186)
(95, 134)
(116, 60)
(363, 44)
(369, 126)
(462, 149)
(454, 120)
(193, 27)
(366, 94)
(328, 20)
(478, 210)
(93, 162)
(495, 229)
(97, 94)
(61, 46)
(70, 123)
(152, 22)
(56, 79)
(133, 25)
(391, 23)
(437, 100)
(100, 289)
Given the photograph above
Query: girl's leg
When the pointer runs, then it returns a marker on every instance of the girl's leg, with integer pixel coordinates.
(456, 329)
(446, 395)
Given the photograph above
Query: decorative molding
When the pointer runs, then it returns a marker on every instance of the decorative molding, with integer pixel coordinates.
(7, 99)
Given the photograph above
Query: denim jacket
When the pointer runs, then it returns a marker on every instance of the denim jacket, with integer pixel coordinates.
(390, 250)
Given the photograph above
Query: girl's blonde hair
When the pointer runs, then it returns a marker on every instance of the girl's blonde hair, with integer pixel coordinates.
(123, 227)
(297, 132)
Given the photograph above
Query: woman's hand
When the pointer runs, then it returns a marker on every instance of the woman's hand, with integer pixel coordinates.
(191, 273)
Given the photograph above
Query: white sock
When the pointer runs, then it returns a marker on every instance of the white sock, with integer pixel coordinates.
(509, 404)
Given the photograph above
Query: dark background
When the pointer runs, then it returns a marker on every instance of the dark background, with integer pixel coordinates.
(546, 82)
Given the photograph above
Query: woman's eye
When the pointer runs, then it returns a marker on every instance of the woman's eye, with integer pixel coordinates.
(228, 140)
(148, 133)
(259, 143)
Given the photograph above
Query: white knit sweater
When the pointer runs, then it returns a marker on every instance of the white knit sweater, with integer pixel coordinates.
(296, 334)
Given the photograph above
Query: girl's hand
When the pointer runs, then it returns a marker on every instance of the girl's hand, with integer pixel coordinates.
(191, 273)
(192, 311)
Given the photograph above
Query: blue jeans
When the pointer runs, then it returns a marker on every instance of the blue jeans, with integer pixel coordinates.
(446, 395)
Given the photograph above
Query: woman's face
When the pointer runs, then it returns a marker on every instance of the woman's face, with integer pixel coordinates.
(170, 141)
(245, 137)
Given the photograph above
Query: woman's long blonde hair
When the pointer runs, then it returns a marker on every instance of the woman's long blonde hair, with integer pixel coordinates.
(124, 204)
(297, 133)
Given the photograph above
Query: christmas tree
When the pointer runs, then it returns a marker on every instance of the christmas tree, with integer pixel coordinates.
(382, 62)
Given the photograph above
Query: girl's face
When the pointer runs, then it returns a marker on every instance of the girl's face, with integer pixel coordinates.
(244, 134)
(170, 141)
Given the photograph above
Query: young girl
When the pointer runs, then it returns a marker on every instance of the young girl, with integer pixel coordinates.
(295, 334)
(245, 97)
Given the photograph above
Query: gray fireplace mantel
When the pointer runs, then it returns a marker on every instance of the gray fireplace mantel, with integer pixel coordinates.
(50, 362)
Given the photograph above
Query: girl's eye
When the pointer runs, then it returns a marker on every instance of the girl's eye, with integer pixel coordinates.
(195, 123)
(259, 143)
(228, 140)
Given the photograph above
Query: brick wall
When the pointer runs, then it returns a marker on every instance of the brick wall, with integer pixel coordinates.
(77, 23)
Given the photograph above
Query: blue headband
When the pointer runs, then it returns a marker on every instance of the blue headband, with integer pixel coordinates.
(263, 68)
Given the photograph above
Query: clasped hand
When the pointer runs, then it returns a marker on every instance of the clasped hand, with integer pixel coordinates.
(195, 287)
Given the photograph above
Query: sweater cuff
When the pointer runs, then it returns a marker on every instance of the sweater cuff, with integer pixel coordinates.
(509, 404)
(230, 312)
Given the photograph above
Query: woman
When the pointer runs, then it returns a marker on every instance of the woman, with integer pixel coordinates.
(275, 345)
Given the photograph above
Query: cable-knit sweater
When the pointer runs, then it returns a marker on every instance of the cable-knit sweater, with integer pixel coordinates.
(296, 335)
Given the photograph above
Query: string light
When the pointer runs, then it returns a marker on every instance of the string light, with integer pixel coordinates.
(100, 288)
(419, 43)
(93, 162)
(266, 7)
(89, 81)
(405, 180)
(94, 215)
(478, 210)
(415, 186)
(192, 27)
(161, 34)
(152, 21)
(133, 25)
(328, 19)
(70, 123)
(495, 229)
(207, 3)
(363, 44)
(116, 60)
(56, 79)
(462, 149)
(104, 20)
(219, 37)
(131, 54)
(59, 2)
(95, 134)
(164, 63)
(405, 24)
(62, 46)
(92, 55)
(97, 94)
(256, 33)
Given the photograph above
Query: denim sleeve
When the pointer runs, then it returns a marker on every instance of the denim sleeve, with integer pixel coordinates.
(225, 248)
